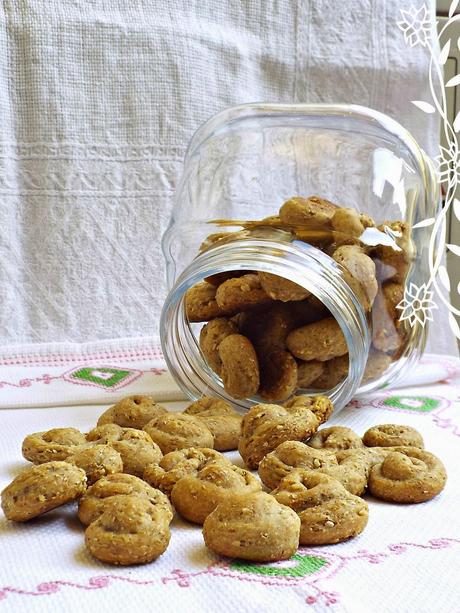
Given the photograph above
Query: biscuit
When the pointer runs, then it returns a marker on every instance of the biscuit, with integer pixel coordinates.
(278, 375)
(55, 444)
(328, 513)
(179, 464)
(241, 293)
(136, 448)
(201, 305)
(39, 489)
(308, 372)
(408, 476)
(265, 426)
(93, 503)
(362, 269)
(377, 363)
(322, 340)
(131, 530)
(196, 496)
(252, 527)
(211, 336)
(387, 335)
(391, 435)
(97, 461)
(178, 431)
(132, 412)
(395, 260)
(347, 225)
(312, 211)
(223, 422)
(240, 367)
(335, 438)
(290, 455)
(279, 288)
(335, 371)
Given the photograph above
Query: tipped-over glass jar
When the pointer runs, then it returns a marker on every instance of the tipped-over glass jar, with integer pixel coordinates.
(294, 241)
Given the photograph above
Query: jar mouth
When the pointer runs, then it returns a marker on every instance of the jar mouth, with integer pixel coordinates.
(296, 261)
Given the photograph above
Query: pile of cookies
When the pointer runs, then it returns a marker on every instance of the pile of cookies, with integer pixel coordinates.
(141, 462)
(266, 335)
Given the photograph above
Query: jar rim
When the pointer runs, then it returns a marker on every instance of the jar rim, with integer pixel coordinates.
(297, 261)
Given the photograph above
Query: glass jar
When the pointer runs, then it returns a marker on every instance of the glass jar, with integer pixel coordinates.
(240, 167)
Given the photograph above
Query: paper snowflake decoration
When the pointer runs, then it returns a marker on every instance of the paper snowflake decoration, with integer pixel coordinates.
(416, 26)
(417, 305)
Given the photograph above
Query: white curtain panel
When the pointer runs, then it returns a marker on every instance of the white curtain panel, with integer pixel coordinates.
(98, 100)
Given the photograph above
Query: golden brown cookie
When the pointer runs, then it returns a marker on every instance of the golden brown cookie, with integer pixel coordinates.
(377, 363)
(252, 527)
(196, 496)
(221, 419)
(131, 530)
(409, 475)
(179, 464)
(279, 288)
(362, 269)
(240, 367)
(92, 504)
(347, 224)
(39, 489)
(178, 431)
(391, 435)
(290, 455)
(136, 448)
(387, 332)
(395, 260)
(265, 426)
(55, 444)
(132, 412)
(328, 513)
(335, 438)
(211, 336)
(201, 305)
(241, 293)
(312, 211)
(322, 340)
(308, 372)
(335, 371)
(97, 461)
(278, 375)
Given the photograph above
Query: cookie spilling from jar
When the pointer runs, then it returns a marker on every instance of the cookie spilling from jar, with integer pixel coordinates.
(141, 463)
(266, 336)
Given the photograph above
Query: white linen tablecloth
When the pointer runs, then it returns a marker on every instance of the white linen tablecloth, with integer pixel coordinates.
(405, 561)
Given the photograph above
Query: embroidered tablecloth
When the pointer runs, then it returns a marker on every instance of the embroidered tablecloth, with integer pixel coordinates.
(407, 559)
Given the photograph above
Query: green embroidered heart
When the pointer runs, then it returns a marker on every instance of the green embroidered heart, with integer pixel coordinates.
(306, 565)
(422, 404)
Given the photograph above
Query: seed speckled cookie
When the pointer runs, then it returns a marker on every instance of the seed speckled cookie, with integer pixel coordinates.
(252, 527)
(131, 530)
(55, 444)
(196, 496)
(328, 513)
(136, 448)
(132, 412)
(92, 504)
(221, 419)
(39, 489)
(178, 464)
(176, 431)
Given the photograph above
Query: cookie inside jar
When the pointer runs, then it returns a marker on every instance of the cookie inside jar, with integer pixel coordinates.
(268, 337)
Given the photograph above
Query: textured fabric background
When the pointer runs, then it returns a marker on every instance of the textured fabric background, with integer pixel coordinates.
(98, 99)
